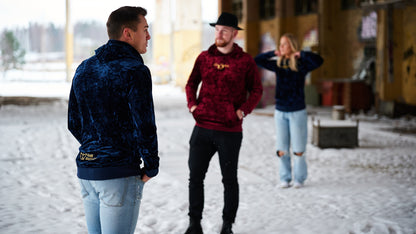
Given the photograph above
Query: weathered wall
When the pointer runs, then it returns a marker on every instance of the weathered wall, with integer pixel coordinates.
(408, 55)
(187, 47)
(302, 26)
(177, 43)
(339, 42)
(162, 54)
(162, 43)
(187, 38)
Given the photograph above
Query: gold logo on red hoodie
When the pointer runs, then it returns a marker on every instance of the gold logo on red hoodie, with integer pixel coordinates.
(221, 66)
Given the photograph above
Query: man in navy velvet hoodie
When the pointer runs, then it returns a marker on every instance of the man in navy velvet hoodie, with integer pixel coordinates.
(111, 114)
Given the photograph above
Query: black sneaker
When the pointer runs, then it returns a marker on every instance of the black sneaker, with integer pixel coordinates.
(226, 228)
(194, 227)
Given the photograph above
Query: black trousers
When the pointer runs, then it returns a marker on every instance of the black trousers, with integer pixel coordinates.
(204, 143)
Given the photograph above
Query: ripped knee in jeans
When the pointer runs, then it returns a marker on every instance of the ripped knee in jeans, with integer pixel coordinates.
(280, 153)
(299, 154)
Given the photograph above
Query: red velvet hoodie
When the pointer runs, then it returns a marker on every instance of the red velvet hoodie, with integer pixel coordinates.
(229, 82)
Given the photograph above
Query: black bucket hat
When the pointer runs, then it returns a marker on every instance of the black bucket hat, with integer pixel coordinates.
(227, 19)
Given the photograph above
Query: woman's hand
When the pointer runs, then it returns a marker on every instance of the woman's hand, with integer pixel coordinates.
(297, 54)
(277, 53)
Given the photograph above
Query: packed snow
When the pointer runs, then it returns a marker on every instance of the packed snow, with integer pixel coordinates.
(367, 189)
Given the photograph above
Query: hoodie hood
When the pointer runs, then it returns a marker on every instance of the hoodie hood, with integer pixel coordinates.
(115, 50)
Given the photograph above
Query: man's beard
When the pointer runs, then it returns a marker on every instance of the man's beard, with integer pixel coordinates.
(221, 43)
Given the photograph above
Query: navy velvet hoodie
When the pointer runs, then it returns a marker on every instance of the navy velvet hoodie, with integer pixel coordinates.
(111, 114)
(290, 85)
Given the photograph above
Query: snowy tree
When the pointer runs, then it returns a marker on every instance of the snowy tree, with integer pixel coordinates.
(11, 53)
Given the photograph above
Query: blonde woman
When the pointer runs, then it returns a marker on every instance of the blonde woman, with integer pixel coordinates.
(290, 68)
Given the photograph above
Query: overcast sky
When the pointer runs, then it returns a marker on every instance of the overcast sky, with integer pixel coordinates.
(20, 12)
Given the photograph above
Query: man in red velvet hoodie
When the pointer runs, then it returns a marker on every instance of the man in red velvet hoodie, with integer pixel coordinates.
(230, 89)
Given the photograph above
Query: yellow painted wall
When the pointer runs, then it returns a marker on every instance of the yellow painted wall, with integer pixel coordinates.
(381, 61)
(341, 47)
(395, 92)
(327, 31)
(177, 42)
(162, 43)
(187, 43)
(389, 86)
(162, 55)
(270, 26)
(300, 26)
(349, 49)
(251, 38)
(339, 42)
(187, 47)
(409, 55)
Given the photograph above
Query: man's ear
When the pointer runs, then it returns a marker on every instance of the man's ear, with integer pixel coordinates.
(126, 34)
(235, 33)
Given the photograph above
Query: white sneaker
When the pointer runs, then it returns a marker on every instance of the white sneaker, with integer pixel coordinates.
(284, 185)
(297, 185)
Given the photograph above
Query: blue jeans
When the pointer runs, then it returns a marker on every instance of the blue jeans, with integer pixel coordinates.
(292, 131)
(112, 206)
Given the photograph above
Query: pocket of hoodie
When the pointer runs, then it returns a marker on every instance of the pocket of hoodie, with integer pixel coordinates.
(230, 117)
(224, 114)
(197, 112)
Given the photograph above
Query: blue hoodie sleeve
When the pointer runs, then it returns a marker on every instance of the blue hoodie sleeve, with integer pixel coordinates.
(74, 117)
(310, 61)
(141, 105)
(263, 60)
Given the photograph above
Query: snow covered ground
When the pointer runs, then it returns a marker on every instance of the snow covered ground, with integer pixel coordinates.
(369, 189)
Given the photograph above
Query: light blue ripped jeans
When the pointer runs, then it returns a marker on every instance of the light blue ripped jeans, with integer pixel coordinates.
(112, 206)
(292, 132)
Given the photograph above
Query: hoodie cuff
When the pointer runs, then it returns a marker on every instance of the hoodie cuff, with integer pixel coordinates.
(152, 172)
